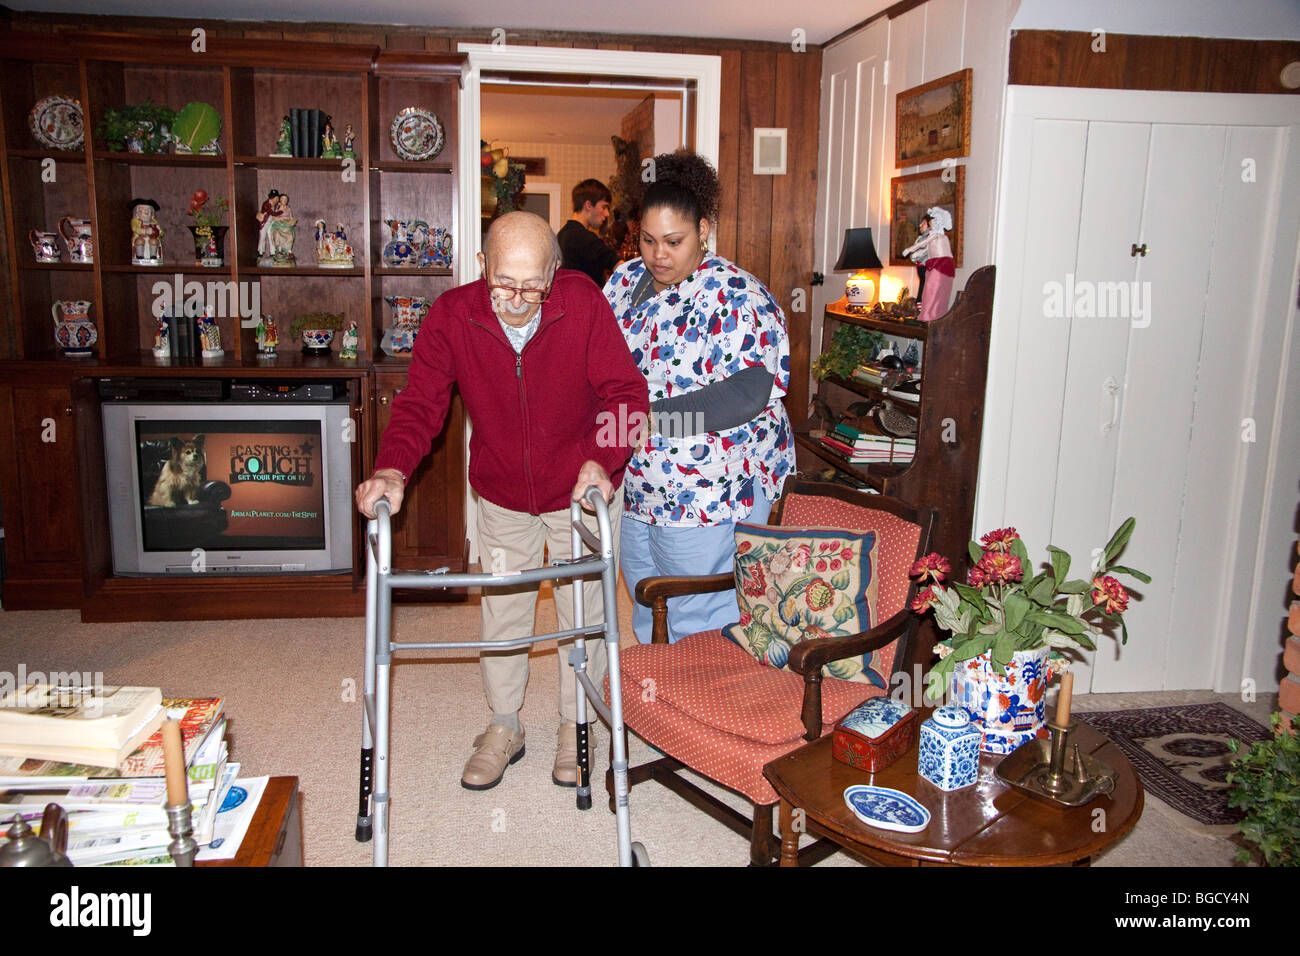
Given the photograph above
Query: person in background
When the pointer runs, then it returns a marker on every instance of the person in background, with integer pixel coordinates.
(711, 341)
(582, 247)
(541, 365)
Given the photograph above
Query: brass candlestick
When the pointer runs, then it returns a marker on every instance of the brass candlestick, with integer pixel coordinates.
(1039, 769)
(182, 848)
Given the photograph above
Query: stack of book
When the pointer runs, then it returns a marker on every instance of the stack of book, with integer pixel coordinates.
(862, 448)
(882, 376)
(115, 813)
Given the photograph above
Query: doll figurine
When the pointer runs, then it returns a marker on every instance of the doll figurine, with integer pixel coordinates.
(162, 339)
(937, 251)
(146, 234)
(329, 145)
(267, 336)
(349, 137)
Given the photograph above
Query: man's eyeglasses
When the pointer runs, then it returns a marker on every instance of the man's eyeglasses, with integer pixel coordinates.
(531, 296)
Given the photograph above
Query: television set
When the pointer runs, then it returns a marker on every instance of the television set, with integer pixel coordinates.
(229, 488)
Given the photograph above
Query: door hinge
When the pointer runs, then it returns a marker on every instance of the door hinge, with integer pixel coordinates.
(1136, 250)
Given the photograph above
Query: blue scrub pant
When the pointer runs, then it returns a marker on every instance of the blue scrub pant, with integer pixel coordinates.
(648, 550)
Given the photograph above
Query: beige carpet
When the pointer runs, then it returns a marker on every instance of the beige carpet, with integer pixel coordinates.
(292, 690)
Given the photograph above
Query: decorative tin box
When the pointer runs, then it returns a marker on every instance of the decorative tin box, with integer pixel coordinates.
(874, 734)
(949, 752)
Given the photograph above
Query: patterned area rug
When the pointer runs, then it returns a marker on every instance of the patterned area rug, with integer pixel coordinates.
(1181, 753)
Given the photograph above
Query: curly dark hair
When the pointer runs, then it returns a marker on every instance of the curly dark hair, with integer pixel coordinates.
(686, 183)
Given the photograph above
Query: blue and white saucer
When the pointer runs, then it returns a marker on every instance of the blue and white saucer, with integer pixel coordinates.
(887, 809)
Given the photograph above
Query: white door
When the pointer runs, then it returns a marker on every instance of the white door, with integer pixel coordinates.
(1095, 416)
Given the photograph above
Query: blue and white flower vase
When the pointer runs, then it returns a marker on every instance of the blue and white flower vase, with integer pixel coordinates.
(948, 754)
(1008, 703)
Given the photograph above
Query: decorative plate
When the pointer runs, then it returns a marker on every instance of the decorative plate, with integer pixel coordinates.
(886, 809)
(416, 134)
(56, 123)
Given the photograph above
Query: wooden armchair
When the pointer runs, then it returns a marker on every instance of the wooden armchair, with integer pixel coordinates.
(711, 706)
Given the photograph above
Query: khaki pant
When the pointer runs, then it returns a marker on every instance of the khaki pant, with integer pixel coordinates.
(513, 541)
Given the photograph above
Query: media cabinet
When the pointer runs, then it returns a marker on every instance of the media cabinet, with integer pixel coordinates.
(52, 480)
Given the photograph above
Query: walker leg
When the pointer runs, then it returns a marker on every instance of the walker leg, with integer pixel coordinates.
(365, 827)
(584, 765)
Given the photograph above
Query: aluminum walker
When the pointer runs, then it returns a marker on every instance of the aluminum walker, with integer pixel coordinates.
(382, 578)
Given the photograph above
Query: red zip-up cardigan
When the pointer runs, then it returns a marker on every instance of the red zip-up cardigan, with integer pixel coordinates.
(537, 415)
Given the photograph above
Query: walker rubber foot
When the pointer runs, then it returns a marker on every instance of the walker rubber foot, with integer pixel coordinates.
(584, 801)
(365, 831)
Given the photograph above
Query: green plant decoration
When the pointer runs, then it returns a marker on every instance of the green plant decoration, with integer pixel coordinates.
(315, 320)
(146, 122)
(196, 125)
(1265, 782)
(850, 347)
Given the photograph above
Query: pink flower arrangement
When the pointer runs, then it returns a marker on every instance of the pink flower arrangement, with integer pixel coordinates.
(1000, 612)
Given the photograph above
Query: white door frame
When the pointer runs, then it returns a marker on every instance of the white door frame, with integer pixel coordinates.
(704, 70)
(1264, 490)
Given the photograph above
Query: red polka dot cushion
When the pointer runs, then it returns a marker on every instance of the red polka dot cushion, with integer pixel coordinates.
(709, 704)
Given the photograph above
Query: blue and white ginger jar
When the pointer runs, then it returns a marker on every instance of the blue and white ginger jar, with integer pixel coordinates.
(948, 753)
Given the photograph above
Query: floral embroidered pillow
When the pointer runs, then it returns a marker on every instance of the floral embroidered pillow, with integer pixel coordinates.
(798, 583)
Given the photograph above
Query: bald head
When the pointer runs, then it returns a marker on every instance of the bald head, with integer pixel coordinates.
(518, 232)
(520, 252)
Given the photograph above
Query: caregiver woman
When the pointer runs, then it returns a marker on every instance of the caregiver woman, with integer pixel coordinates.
(711, 342)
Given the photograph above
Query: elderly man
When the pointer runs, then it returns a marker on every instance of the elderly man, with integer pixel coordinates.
(541, 365)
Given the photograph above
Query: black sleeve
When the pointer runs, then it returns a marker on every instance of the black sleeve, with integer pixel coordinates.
(735, 400)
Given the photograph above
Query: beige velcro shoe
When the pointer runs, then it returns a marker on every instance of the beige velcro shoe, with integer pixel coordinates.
(494, 749)
(565, 772)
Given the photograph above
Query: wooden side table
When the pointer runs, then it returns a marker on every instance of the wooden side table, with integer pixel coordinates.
(274, 836)
(989, 824)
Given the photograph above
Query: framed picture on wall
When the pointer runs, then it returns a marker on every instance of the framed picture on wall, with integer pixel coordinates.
(932, 121)
(909, 198)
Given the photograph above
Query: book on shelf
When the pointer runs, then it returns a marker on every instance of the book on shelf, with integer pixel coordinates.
(882, 376)
(98, 726)
(870, 449)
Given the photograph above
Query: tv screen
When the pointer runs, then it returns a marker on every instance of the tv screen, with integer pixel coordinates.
(228, 488)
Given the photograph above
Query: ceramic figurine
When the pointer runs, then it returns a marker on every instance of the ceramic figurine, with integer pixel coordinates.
(348, 350)
(210, 336)
(146, 234)
(329, 144)
(76, 236)
(948, 753)
(74, 332)
(276, 233)
(409, 238)
(333, 251)
(284, 145)
(267, 336)
(45, 245)
(349, 137)
(162, 339)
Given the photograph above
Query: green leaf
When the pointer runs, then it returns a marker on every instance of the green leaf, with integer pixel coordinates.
(972, 596)
(970, 648)
(1043, 592)
(1016, 607)
(1004, 649)
(1060, 562)
(196, 125)
(1020, 551)
(975, 552)
(937, 679)
(840, 581)
(1140, 575)
(1117, 541)
(1075, 587)
(846, 610)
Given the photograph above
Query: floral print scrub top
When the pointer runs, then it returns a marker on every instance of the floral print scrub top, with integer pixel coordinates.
(715, 322)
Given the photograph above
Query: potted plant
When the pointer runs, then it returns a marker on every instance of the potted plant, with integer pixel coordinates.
(209, 234)
(1265, 782)
(1005, 627)
(138, 129)
(851, 346)
(316, 329)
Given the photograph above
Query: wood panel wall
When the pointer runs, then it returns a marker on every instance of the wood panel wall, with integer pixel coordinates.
(765, 223)
(1133, 62)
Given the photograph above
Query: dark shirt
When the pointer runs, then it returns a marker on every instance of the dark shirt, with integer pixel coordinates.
(584, 251)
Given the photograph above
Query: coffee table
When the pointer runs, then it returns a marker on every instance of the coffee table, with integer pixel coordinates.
(989, 824)
(274, 836)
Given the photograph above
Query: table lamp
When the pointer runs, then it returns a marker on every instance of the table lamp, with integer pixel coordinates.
(858, 255)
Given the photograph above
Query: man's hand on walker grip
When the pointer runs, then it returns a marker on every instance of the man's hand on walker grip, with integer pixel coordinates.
(385, 483)
(592, 474)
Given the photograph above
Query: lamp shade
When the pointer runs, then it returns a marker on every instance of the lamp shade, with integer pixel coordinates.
(858, 252)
